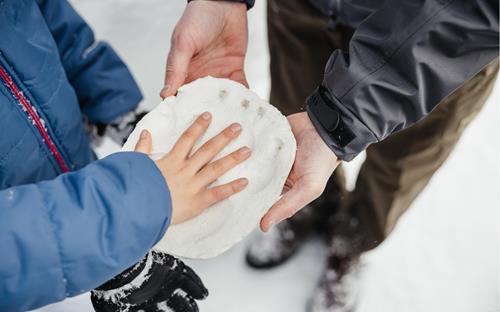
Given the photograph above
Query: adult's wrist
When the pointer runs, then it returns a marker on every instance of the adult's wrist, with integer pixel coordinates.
(343, 131)
(328, 122)
(248, 3)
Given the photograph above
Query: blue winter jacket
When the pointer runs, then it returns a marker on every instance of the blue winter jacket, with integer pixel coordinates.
(67, 223)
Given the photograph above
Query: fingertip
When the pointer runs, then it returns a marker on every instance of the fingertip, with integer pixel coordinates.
(165, 91)
(235, 127)
(265, 225)
(206, 116)
(170, 89)
(245, 151)
(143, 145)
(273, 216)
(242, 183)
(204, 120)
(262, 226)
(145, 134)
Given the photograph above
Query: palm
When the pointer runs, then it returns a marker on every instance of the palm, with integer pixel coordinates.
(314, 163)
(224, 57)
(306, 165)
(209, 39)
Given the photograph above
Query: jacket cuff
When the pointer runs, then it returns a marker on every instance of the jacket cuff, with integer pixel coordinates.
(249, 3)
(343, 132)
(120, 207)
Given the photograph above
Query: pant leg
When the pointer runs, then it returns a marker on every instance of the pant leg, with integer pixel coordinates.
(397, 169)
(300, 44)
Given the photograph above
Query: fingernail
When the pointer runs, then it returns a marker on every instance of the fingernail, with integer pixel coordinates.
(243, 182)
(235, 127)
(245, 151)
(144, 134)
(205, 115)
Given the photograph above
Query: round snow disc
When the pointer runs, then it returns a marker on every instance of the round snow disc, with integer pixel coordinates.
(264, 129)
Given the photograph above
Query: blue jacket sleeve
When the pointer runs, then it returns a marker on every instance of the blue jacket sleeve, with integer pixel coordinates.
(105, 88)
(63, 237)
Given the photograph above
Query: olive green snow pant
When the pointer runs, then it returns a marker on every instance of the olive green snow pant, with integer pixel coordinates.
(397, 168)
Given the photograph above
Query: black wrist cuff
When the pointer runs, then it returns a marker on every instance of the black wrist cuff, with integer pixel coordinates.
(249, 3)
(324, 111)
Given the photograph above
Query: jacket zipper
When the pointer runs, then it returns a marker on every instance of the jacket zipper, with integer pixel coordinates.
(33, 117)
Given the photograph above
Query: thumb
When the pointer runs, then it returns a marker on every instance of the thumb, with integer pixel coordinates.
(177, 68)
(291, 202)
(239, 76)
(144, 143)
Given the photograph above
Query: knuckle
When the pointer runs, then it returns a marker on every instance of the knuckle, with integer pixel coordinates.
(177, 36)
(218, 167)
(235, 187)
(218, 193)
(214, 169)
(210, 146)
(181, 40)
(234, 158)
(189, 136)
(170, 67)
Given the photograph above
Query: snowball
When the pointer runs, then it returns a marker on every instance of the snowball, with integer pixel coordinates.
(265, 130)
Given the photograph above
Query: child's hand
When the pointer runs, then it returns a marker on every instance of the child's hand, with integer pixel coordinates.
(188, 177)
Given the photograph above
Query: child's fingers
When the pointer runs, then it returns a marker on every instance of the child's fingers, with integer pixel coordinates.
(216, 169)
(185, 143)
(221, 192)
(213, 146)
(144, 143)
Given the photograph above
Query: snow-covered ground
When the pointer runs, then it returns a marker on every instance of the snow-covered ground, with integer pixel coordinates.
(443, 255)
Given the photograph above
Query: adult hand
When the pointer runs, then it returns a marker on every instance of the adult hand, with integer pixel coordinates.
(209, 39)
(314, 164)
(188, 177)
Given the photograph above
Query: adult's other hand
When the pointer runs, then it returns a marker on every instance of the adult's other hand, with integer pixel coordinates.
(209, 39)
(314, 164)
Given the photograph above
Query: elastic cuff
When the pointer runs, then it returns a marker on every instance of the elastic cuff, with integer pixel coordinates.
(343, 132)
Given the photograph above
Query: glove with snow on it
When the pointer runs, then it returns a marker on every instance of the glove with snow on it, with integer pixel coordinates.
(117, 130)
(160, 282)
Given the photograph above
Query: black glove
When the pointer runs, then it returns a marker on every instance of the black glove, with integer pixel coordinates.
(117, 130)
(159, 282)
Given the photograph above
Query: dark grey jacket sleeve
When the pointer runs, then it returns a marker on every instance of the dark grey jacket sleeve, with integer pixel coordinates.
(403, 60)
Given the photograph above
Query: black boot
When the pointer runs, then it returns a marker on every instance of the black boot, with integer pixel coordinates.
(337, 290)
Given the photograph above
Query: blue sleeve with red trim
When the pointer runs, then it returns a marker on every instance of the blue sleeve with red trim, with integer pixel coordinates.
(63, 237)
(105, 87)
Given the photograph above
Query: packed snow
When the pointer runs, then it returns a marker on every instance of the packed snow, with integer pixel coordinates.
(443, 254)
(226, 223)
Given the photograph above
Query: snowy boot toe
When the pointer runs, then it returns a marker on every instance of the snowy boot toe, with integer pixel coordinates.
(337, 291)
(271, 249)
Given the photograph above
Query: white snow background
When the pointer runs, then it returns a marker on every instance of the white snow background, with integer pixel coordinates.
(443, 254)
